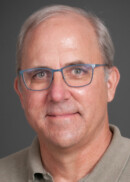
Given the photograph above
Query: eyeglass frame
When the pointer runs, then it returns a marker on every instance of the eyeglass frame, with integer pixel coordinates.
(20, 73)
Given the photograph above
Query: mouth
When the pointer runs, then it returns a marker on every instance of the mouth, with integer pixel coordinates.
(62, 115)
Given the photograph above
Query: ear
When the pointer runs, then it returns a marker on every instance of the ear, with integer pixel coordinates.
(18, 90)
(112, 82)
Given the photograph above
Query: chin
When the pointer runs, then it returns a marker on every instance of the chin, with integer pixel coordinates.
(64, 139)
(62, 133)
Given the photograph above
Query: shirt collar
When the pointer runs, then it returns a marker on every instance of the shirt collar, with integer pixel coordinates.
(35, 165)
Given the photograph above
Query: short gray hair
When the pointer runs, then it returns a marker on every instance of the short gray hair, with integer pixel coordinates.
(103, 36)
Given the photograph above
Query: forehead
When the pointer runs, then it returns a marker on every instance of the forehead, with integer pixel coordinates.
(68, 22)
(61, 33)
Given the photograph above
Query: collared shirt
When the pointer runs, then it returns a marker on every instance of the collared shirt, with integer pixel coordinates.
(26, 165)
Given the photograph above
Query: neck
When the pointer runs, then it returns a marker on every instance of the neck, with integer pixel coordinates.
(70, 165)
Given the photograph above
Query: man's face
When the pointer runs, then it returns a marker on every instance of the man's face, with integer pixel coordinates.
(62, 115)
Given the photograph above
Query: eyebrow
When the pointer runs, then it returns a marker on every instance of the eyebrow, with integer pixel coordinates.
(74, 62)
(67, 64)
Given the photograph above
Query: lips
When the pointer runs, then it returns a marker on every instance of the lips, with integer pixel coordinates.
(62, 114)
(62, 110)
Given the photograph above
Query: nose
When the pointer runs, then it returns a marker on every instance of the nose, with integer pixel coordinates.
(58, 91)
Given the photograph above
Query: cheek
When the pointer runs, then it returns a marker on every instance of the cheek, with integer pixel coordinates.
(34, 106)
(85, 96)
(91, 99)
(33, 100)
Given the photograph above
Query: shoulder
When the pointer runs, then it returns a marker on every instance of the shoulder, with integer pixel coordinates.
(125, 176)
(126, 142)
(121, 146)
(118, 138)
(14, 166)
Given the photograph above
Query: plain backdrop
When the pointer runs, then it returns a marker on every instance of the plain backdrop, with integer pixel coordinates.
(15, 132)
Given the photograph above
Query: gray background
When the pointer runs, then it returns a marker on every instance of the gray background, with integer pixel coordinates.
(15, 133)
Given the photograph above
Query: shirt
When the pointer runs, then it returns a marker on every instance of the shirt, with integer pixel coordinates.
(26, 165)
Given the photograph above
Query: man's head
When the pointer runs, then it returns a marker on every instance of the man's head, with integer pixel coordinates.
(62, 115)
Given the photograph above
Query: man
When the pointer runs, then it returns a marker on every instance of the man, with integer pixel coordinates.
(65, 79)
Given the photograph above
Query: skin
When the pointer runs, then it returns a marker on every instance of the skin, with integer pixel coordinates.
(71, 123)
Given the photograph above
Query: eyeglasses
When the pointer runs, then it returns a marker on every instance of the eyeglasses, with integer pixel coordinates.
(78, 75)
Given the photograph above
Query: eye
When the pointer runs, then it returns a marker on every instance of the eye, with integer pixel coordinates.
(41, 74)
(80, 70)
(38, 75)
(77, 71)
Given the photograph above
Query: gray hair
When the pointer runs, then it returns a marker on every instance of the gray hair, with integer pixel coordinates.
(103, 37)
